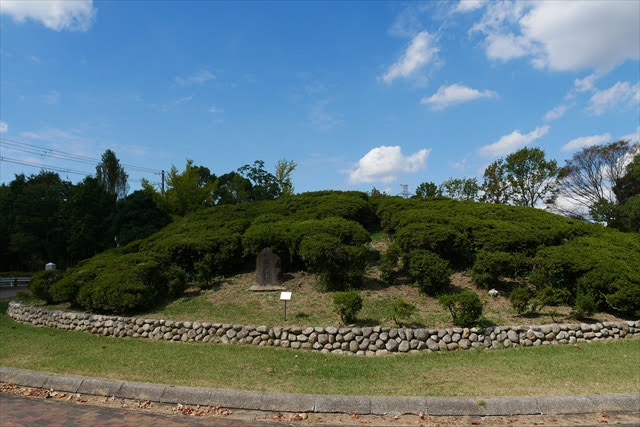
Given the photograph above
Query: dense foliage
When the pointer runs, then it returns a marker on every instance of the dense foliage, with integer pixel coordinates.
(347, 304)
(321, 232)
(558, 258)
(553, 259)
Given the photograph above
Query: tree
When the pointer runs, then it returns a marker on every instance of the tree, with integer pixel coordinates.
(594, 180)
(628, 185)
(31, 221)
(232, 188)
(428, 190)
(186, 192)
(530, 176)
(264, 185)
(112, 176)
(460, 188)
(495, 187)
(89, 219)
(284, 169)
(138, 217)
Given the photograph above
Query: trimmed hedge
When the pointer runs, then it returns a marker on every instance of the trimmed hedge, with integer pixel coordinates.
(323, 232)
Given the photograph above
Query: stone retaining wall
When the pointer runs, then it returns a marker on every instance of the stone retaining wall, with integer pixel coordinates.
(348, 340)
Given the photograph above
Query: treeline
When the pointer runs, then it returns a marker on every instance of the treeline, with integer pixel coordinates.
(44, 218)
(599, 183)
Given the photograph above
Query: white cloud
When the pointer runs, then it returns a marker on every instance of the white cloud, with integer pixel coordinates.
(385, 163)
(621, 94)
(456, 93)
(4, 127)
(420, 52)
(563, 35)
(512, 142)
(556, 112)
(633, 137)
(215, 110)
(505, 47)
(586, 84)
(54, 14)
(464, 6)
(586, 141)
(196, 78)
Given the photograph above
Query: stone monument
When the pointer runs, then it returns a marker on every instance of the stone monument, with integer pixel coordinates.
(267, 271)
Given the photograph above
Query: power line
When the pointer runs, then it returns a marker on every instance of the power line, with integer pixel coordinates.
(63, 155)
(56, 168)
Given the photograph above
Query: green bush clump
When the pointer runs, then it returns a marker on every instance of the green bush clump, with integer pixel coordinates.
(389, 268)
(431, 273)
(520, 299)
(444, 240)
(402, 311)
(347, 304)
(465, 308)
(626, 300)
(66, 288)
(490, 267)
(585, 305)
(40, 285)
(176, 280)
(598, 266)
(338, 266)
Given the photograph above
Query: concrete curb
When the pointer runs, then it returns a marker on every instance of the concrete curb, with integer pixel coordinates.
(364, 405)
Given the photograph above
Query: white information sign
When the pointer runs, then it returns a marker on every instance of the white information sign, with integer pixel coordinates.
(285, 296)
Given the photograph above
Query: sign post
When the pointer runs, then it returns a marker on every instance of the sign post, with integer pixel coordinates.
(285, 296)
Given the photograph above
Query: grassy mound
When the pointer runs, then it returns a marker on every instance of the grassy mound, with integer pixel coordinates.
(327, 233)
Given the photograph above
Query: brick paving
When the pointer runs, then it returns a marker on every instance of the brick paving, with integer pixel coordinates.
(19, 411)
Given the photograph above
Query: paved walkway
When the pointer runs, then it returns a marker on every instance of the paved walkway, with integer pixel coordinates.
(18, 411)
(304, 403)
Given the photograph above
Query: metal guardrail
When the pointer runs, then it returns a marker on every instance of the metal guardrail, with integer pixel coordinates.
(14, 281)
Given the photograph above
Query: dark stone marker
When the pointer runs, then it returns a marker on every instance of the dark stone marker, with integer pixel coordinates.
(267, 271)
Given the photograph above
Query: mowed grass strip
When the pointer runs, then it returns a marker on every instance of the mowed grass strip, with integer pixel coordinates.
(597, 368)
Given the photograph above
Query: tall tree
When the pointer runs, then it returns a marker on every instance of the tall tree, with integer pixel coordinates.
(588, 180)
(530, 176)
(428, 190)
(138, 217)
(495, 187)
(112, 176)
(232, 188)
(32, 217)
(187, 191)
(264, 184)
(460, 188)
(284, 169)
(89, 219)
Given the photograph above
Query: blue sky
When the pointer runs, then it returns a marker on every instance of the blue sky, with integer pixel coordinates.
(358, 94)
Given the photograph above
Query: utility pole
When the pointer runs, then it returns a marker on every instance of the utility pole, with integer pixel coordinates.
(163, 181)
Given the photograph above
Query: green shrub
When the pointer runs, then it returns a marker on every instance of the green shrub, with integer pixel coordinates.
(444, 240)
(626, 300)
(338, 266)
(40, 285)
(347, 304)
(430, 272)
(520, 299)
(465, 308)
(388, 265)
(490, 267)
(176, 280)
(66, 289)
(402, 311)
(585, 305)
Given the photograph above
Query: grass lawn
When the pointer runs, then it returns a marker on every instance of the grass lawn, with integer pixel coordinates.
(589, 368)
